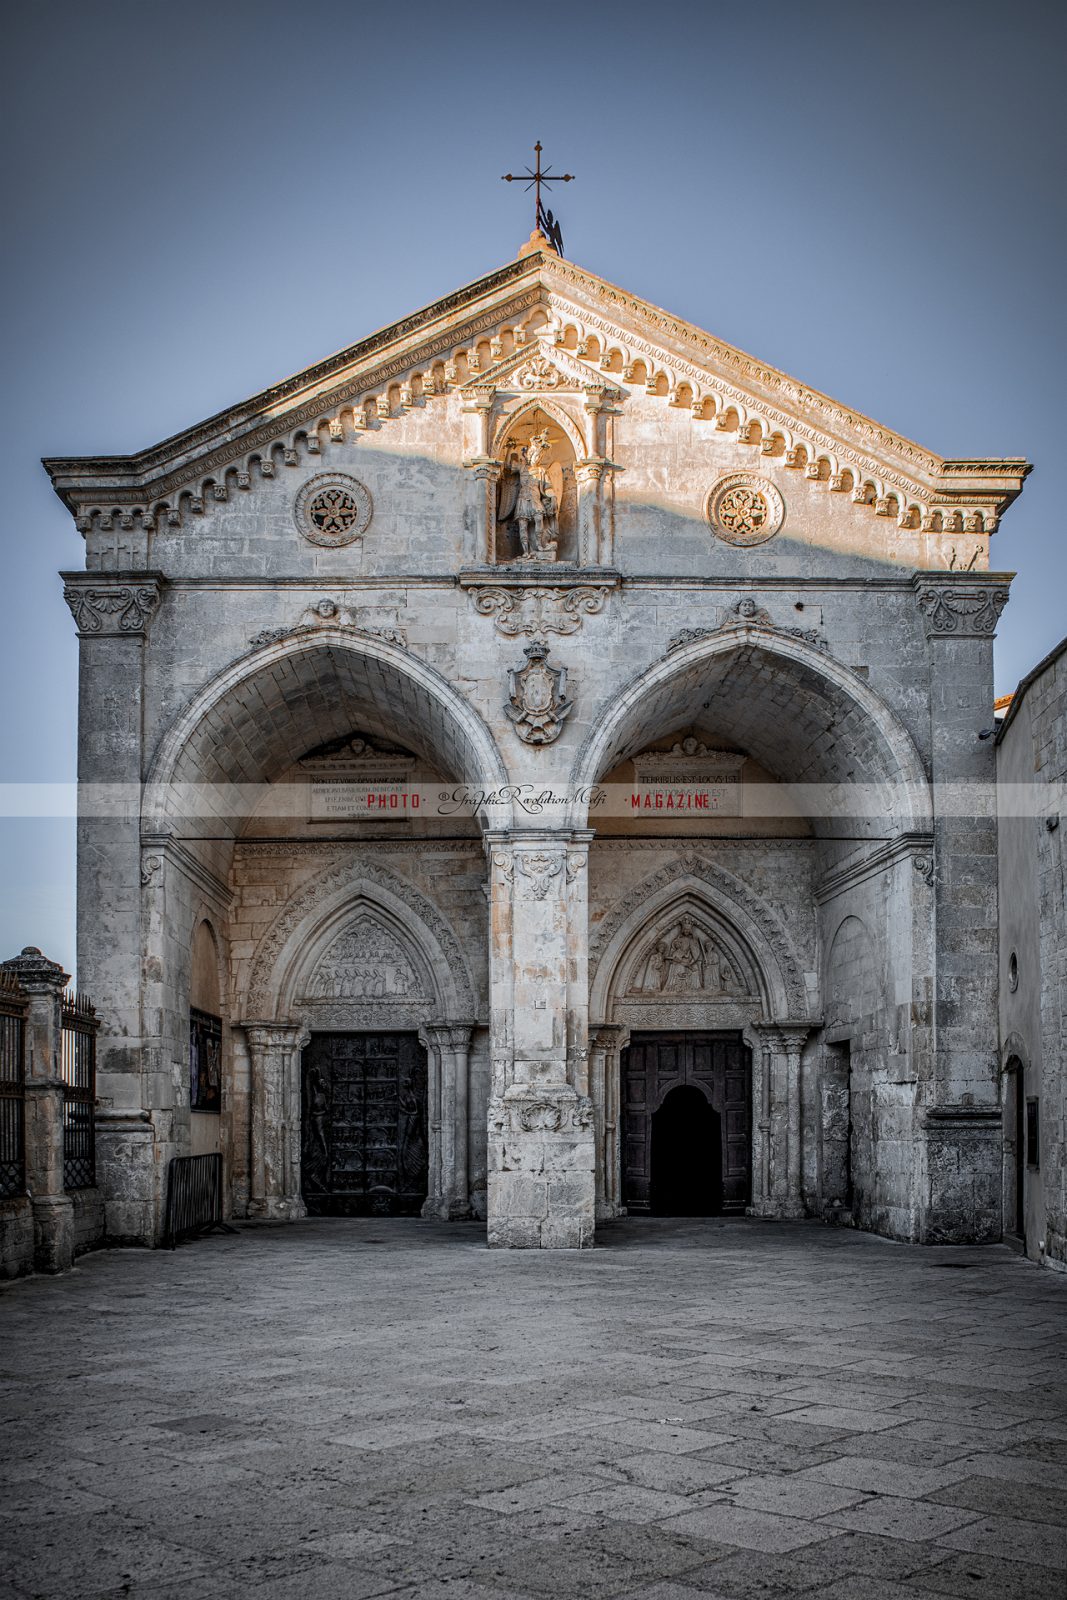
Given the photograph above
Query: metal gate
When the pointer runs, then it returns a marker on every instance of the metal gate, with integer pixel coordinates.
(364, 1142)
(720, 1065)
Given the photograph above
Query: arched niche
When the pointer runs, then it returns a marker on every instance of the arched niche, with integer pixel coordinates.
(764, 980)
(205, 982)
(540, 446)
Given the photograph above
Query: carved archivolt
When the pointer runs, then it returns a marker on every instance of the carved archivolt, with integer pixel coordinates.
(734, 901)
(280, 950)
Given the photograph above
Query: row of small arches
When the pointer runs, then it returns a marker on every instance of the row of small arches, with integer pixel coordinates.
(373, 409)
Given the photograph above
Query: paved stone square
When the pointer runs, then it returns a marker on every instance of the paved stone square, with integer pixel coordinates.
(343, 1409)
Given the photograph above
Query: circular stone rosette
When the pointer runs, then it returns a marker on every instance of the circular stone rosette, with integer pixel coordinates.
(333, 509)
(744, 509)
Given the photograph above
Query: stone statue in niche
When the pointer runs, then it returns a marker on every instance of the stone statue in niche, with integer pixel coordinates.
(683, 961)
(528, 499)
(537, 497)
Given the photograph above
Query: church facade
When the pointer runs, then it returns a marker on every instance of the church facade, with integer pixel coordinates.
(530, 770)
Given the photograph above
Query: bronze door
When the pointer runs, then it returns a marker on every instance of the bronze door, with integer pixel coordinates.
(364, 1147)
(664, 1130)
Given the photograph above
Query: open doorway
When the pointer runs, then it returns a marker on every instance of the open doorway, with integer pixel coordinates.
(686, 1165)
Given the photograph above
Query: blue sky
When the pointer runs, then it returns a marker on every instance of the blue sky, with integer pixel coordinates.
(204, 197)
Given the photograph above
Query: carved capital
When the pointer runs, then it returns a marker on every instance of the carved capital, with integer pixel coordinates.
(452, 1036)
(271, 1038)
(111, 606)
(486, 469)
(968, 610)
(539, 869)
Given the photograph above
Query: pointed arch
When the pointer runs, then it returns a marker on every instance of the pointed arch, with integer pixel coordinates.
(749, 929)
(289, 952)
(842, 731)
(365, 671)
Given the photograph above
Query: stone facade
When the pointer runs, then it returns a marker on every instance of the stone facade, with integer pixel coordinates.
(1032, 777)
(397, 684)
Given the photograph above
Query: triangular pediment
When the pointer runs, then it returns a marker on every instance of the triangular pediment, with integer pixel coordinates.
(539, 367)
(539, 324)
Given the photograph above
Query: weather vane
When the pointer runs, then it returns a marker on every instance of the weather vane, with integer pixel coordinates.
(537, 178)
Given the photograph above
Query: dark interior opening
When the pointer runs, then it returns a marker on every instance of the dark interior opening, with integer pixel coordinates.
(686, 1176)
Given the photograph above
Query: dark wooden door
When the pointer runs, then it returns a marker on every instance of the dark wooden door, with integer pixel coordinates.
(720, 1066)
(364, 1147)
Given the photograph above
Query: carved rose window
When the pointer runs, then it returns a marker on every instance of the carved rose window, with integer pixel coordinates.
(333, 509)
(743, 509)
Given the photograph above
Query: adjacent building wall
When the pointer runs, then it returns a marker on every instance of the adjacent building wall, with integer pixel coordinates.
(1031, 773)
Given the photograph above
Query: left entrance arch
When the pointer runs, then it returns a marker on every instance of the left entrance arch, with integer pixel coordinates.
(237, 735)
(281, 699)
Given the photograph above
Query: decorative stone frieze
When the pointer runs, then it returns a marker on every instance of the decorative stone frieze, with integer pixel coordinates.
(119, 606)
(330, 614)
(747, 613)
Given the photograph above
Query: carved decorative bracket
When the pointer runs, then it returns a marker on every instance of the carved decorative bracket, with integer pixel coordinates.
(536, 604)
(118, 605)
(967, 610)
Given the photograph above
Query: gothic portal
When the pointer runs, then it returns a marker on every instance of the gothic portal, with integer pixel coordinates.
(541, 716)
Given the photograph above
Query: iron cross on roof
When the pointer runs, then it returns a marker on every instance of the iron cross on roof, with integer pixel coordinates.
(536, 178)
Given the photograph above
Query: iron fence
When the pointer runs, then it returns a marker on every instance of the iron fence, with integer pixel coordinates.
(78, 1067)
(12, 1088)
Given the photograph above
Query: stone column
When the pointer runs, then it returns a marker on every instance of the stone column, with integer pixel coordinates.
(607, 1042)
(485, 473)
(776, 1145)
(274, 1060)
(43, 982)
(588, 474)
(112, 612)
(448, 1046)
(961, 1197)
(541, 1142)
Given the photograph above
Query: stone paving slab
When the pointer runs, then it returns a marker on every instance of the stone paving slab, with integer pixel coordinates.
(342, 1410)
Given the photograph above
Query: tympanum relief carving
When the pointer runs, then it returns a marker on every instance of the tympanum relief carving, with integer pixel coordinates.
(366, 962)
(684, 962)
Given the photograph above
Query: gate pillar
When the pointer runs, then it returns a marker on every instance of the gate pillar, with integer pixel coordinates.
(53, 1210)
(541, 1141)
(274, 1059)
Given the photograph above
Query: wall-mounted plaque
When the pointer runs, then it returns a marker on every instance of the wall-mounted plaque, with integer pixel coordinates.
(687, 780)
